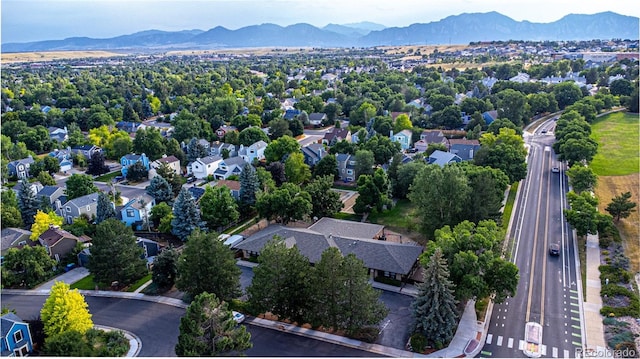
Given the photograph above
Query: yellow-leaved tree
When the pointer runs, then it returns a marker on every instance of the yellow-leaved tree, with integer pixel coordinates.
(65, 310)
(41, 223)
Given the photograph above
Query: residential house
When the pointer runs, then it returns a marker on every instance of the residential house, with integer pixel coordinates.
(135, 212)
(196, 192)
(465, 149)
(151, 249)
(64, 158)
(490, 116)
(224, 129)
(336, 135)
(346, 167)
(86, 150)
(403, 137)
(20, 168)
(52, 195)
(421, 145)
(165, 128)
(253, 152)
(57, 242)
(228, 167)
(58, 134)
(435, 137)
(204, 167)
(172, 161)
(233, 186)
(16, 336)
(441, 158)
(291, 114)
(329, 77)
(218, 148)
(130, 127)
(13, 238)
(85, 205)
(313, 153)
(35, 187)
(130, 159)
(317, 118)
(382, 258)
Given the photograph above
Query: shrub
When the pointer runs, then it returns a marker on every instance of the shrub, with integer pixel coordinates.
(625, 336)
(418, 342)
(615, 275)
(627, 349)
(389, 281)
(367, 334)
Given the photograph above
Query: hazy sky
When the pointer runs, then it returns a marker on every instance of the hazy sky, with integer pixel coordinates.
(33, 20)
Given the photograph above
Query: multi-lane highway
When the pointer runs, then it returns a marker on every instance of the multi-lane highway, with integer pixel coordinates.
(548, 291)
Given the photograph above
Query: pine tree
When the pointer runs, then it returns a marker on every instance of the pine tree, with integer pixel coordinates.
(327, 284)
(114, 237)
(96, 164)
(28, 202)
(104, 208)
(160, 189)
(434, 310)
(171, 176)
(65, 310)
(249, 185)
(186, 216)
(195, 150)
(621, 206)
(208, 329)
(207, 265)
(165, 269)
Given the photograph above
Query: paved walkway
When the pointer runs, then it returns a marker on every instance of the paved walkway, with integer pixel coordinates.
(594, 329)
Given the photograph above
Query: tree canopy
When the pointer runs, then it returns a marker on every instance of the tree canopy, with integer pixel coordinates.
(65, 310)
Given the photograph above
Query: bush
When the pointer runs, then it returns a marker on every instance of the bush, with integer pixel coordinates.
(613, 290)
(623, 337)
(627, 349)
(418, 343)
(389, 281)
(615, 275)
(367, 334)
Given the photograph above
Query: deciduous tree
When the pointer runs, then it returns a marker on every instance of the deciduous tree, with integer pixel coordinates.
(42, 222)
(327, 166)
(26, 267)
(285, 204)
(96, 165)
(296, 170)
(79, 185)
(325, 202)
(581, 178)
(218, 207)
(65, 310)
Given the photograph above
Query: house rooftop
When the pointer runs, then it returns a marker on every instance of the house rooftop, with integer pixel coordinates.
(48, 191)
(52, 235)
(10, 235)
(168, 159)
(232, 185)
(210, 159)
(343, 228)
(84, 200)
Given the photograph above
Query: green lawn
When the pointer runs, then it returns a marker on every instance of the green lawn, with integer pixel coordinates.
(508, 207)
(108, 177)
(618, 137)
(139, 283)
(84, 283)
(398, 218)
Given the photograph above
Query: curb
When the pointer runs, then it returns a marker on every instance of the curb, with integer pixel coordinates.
(135, 344)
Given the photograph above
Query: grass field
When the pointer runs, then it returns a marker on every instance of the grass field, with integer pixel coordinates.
(617, 166)
(400, 218)
(618, 140)
(39, 56)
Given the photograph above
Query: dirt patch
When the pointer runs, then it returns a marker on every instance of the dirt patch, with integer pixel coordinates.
(611, 186)
(54, 55)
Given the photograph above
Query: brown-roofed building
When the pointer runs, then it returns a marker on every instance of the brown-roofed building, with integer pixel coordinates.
(233, 186)
(58, 242)
(336, 135)
(172, 161)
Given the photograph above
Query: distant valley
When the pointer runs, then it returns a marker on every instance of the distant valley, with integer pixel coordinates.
(457, 29)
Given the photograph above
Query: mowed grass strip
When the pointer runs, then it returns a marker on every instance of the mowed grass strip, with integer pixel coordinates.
(618, 140)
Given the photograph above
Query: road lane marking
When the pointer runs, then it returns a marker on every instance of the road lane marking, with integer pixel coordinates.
(574, 304)
(546, 244)
(573, 291)
(572, 297)
(489, 338)
(575, 326)
(575, 311)
(576, 335)
(543, 349)
(576, 319)
(554, 352)
(521, 344)
(579, 345)
(484, 352)
(499, 341)
(510, 343)
(566, 353)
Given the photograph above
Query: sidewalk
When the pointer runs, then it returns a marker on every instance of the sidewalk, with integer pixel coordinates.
(594, 329)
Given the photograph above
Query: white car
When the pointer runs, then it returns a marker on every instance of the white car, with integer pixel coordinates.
(555, 170)
(238, 317)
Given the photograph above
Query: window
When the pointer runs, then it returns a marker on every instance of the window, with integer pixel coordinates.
(88, 208)
(349, 172)
(68, 209)
(130, 212)
(17, 336)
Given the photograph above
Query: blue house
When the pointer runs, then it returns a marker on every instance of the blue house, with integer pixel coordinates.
(151, 249)
(403, 137)
(135, 212)
(128, 160)
(16, 336)
(64, 158)
(490, 116)
(441, 158)
(291, 114)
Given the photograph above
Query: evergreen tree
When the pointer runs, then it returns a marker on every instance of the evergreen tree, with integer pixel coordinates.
(96, 165)
(434, 310)
(27, 202)
(104, 208)
(160, 190)
(65, 310)
(621, 206)
(361, 304)
(171, 176)
(165, 269)
(249, 185)
(207, 265)
(208, 329)
(327, 282)
(115, 255)
(218, 207)
(186, 216)
(392, 172)
(195, 150)
(281, 281)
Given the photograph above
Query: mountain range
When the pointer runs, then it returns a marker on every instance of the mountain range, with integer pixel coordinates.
(456, 29)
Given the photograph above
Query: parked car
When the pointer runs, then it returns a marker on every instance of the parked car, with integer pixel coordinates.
(555, 170)
(191, 179)
(554, 249)
(238, 317)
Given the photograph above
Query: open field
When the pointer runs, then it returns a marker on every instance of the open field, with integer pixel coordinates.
(611, 186)
(617, 165)
(617, 135)
(54, 55)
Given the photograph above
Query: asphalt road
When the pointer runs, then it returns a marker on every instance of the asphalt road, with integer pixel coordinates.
(547, 292)
(157, 325)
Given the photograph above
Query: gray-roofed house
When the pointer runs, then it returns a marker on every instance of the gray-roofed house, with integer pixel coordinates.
(86, 150)
(151, 249)
(172, 161)
(134, 213)
(343, 228)
(204, 167)
(13, 238)
(224, 129)
(64, 157)
(52, 195)
(57, 242)
(316, 118)
(78, 206)
(336, 135)
(20, 168)
(346, 167)
(253, 152)
(228, 167)
(218, 148)
(435, 137)
(233, 186)
(58, 134)
(382, 258)
(465, 149)
(16, 336)
(313, 153)
(441, 158)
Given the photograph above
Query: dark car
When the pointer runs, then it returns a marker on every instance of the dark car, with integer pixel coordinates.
(191, 179)
(554, 249)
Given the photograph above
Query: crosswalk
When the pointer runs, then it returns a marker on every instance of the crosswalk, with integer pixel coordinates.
(509, 342)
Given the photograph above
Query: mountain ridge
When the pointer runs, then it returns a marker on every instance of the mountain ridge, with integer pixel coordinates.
(454, 29)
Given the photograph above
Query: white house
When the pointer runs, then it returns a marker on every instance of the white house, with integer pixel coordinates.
(255, 151)
(204, 167)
